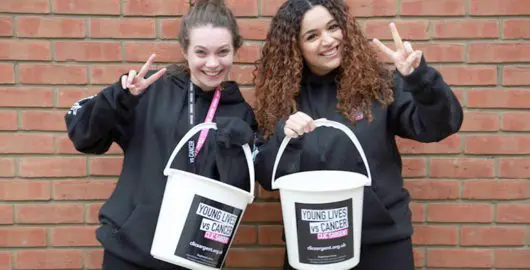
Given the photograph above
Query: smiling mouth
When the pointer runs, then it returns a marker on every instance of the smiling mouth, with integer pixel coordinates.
(212, 73)
(331, 52)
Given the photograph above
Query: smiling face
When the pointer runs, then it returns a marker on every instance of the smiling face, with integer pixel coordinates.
(320, 40)
(210, 55)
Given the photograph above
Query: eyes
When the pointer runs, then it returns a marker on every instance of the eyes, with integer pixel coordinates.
(332, 28)
(204, 53)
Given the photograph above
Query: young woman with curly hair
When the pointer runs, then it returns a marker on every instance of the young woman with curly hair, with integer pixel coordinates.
(316, 63)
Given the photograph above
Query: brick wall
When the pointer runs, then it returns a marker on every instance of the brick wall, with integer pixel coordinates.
(470, 191)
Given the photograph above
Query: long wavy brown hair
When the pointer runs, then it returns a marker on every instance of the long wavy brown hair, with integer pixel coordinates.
(362, 79)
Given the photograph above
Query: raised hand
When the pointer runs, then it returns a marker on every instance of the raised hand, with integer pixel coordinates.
(137, 83)
(298, 124)
(405, 58)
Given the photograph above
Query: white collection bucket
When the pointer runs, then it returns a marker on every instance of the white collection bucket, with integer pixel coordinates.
(199, 216)
(322, 212)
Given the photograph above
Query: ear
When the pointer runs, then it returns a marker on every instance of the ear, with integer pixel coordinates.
(184, 53)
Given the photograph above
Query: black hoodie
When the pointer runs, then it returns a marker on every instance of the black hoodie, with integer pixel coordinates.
(425, 109)
(148, 127)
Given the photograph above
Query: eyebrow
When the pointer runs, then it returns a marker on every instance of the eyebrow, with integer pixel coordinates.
(314, 30)
(224, 46)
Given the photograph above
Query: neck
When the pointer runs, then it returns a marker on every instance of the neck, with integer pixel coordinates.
(201, 86)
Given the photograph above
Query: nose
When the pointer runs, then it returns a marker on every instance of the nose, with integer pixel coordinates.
(212, 62)
(327, 39)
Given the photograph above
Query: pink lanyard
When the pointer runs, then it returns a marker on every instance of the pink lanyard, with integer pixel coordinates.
(193, 150)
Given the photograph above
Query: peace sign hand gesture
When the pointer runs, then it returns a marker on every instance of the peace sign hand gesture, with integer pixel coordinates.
(136, 83)
(405, 58)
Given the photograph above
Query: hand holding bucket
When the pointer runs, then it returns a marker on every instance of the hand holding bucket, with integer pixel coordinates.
(199, 216)
(322, 211)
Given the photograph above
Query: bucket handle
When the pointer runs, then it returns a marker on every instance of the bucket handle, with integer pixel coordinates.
(322, 122)
(211, 125)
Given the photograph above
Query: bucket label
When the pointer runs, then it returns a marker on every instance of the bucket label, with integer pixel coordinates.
(208, 232)
(325, 232)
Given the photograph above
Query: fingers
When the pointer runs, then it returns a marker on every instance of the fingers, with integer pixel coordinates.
(146, 66)
(397, 39)
(298, 124)
(383, 48)
(408, 48)
(130, 78)
(124, 81)
(155, 76)
(290, 133)
(409, 63)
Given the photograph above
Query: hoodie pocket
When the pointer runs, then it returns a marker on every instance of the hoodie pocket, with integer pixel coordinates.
(138, 230)
(374, 211)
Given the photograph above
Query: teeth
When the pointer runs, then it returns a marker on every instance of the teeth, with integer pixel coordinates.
(210, 73)
(330, 52)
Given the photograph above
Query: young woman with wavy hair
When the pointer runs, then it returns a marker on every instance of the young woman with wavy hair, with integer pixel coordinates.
(316, 63)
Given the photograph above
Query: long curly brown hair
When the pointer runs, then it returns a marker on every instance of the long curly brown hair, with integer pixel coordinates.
(362, 79)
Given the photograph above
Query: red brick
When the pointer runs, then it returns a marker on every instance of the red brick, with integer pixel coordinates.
(373, 8)
(241, 74)
(498, 98)
(270, 235)
(7, 167)
(516, 75)
(514, 168)
(441, 52)
(9, 122)
(480, 121)
(170, 28)
(92, 213)
(516, 28)
(103, 7)
(265, 194)
(460, 258)
(414, 167)
(249, 94)
(435, 235)
(11, 49)
(465, 29)
(263, 212)
(93, 259)
(516, 121)
(498, 52)
(256, 257)
(106, 166)
(498, 7)
(6, 215)
(48, 259)
(449, 145)
(26, 97)
(22, 237)
(122, 28)
(27, 6)
(270, 7)
(69, 96)
(248, 53)
(5, 261)
(246, 235)
(418, 212)
(43, 120)
(409, 30)
(64, 145)
(513, 213)
(87, 51)
(73, 237)
(25, 190)
(432, 7)
(165, 52)
(23, 143)
(52, 167)
(154, 7)
(243, 7)
(6, 26)
(492, 236)
(52, 74)
(493, 144)
(461, 168)
(7, 73)
(460, 212)
(83, 189)
(254, 29)
(512, 258)
(496, 190)
(424, 189)
(469, 75)
(49, 213)
(50, 27)
(109, 74)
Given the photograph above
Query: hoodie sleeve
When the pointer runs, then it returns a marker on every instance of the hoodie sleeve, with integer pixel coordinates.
(425, 108)
(94, 123)
(266, 152)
